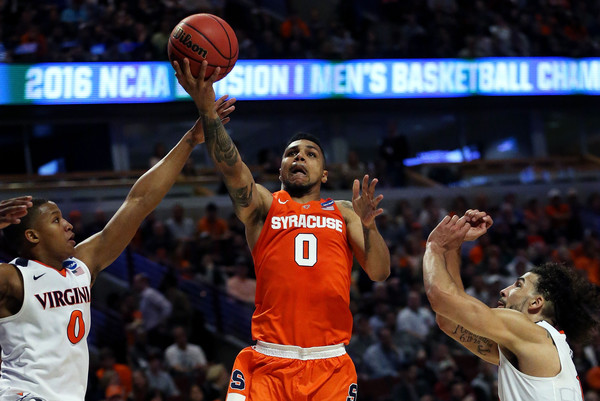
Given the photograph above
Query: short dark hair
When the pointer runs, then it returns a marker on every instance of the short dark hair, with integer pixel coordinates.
(574, 301)
(14, 234)
(309, 137)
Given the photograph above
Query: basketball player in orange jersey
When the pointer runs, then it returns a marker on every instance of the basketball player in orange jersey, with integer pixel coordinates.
(526, 335)
(45, 292)
(303, 247)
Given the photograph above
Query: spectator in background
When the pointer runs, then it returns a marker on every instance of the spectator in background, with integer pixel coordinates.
(97, 224)
(211, 224)
(111, 371)
(159, 379)
(196, 393)
(557, 211)
(383, 359)
(353, 167)
(140, 388)
(155, 310)
(414, 319)
(181, 227)
(361, 340)
(240, 285)
(115, 392)
(183, 358)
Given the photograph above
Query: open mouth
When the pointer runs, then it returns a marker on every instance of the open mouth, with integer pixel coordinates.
(501, 304)
(298, 169)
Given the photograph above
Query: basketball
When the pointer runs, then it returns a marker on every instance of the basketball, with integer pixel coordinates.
(204, 37)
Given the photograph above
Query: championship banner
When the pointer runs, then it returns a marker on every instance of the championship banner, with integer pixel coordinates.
(151, 82)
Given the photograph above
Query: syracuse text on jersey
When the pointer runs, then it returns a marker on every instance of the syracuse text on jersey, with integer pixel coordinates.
(306, 221)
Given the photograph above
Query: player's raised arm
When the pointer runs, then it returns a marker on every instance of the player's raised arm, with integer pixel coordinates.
(250, 201)
(368, 245)
(482, 347)
(101, 249)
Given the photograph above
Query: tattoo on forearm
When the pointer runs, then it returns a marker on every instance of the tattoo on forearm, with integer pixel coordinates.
(484, 345)
(220, 146)
(241, 197)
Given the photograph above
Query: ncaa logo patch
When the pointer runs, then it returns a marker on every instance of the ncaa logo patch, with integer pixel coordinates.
(327, 205)
(69, 264)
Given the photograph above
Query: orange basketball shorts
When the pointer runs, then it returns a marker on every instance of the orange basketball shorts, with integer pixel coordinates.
(270, 372)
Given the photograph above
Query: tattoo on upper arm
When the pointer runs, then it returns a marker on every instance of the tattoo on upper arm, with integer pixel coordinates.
(241, 197)
(484, 345)
(347, 204)
(220, 146)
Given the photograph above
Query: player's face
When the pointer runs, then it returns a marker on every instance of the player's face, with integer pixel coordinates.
(517, 295)
(302, 167)
(53, 233)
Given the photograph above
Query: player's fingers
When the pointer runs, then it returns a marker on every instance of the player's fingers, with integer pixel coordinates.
(377, 200)
(225, 112)
(18, 210)
(454, 219)
(17, 200)
(213, 77)
(372, 185)
(203, 67)
(177, 67)
(355, 189)
(187, 70)
(445, 220)
(225, 120)
(365, 183)
(461, 222)
(221, 101)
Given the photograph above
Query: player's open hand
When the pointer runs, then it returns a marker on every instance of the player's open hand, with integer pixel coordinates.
(201, 90)
(366, 204)
(479, 221)
(11, 210)
(450, 233)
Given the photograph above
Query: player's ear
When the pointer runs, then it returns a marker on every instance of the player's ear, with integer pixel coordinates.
(32, 236)
(324, 176)
(536, 304)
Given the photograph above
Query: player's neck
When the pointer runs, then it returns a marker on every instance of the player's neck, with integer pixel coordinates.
(44, 258)
(304, 196)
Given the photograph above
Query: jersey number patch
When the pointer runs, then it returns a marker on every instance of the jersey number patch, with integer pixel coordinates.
(76, 327)
(305, 250)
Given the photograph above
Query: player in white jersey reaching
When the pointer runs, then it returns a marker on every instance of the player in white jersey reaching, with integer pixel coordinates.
(526, 335)
(45, 291)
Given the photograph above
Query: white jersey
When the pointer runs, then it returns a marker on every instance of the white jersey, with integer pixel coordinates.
(44, 345)
(514, 385)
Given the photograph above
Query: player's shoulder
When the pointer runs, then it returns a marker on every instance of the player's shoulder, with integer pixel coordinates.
(344, 205)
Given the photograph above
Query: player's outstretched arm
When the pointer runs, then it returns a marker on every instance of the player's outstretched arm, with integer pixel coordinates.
(101, 249)
(368, 245)
(481, 347)
(505, 327)
(249, 199)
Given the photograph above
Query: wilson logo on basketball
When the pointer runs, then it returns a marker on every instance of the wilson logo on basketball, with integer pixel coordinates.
(186, 40)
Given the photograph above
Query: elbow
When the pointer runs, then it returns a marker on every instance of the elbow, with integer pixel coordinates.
(379, 273)
(437, 298)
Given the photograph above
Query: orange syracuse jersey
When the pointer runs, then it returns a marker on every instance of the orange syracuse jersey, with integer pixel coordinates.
(303, 263)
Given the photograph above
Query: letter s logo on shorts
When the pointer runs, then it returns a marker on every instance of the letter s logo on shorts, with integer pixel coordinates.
(352, 392)
(237, 380)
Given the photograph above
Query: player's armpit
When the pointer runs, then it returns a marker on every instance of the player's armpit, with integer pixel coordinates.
(481, 347)
(11, 290)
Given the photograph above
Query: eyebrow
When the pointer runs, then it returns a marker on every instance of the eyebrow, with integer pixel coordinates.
(521, 279)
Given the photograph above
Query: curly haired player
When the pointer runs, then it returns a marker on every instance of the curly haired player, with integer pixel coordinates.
(526, 335)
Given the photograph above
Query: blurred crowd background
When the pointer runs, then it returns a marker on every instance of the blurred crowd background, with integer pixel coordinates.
(137, 30)
(154, 338)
